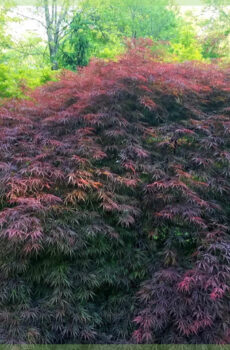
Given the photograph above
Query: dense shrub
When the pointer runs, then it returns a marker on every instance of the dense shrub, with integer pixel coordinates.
(115, 206)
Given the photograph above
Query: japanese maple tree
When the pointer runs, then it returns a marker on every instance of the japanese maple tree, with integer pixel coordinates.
(114, 207)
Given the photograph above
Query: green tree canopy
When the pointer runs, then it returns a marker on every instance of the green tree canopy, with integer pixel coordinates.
(100, 27)
(216, 29)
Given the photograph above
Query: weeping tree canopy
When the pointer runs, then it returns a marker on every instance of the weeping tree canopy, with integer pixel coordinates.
(114, 206)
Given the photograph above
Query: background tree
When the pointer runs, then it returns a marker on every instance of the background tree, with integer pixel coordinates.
(186, 46)
(74, 48)
(54, 17)
(23, 63)
(5, 39)
(99, 28)
(216, 29)
(134, 18)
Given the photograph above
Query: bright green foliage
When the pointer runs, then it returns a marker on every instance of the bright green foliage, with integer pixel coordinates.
(186, 46)
(15, 80)
(5, 39)
(23, 65)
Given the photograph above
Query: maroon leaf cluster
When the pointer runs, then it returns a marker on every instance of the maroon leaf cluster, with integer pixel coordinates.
(114, 206)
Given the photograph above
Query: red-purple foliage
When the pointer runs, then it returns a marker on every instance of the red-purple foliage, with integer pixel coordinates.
(114, 207)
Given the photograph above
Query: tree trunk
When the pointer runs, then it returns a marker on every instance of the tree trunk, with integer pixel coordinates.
(53, 49)
(52, 32)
